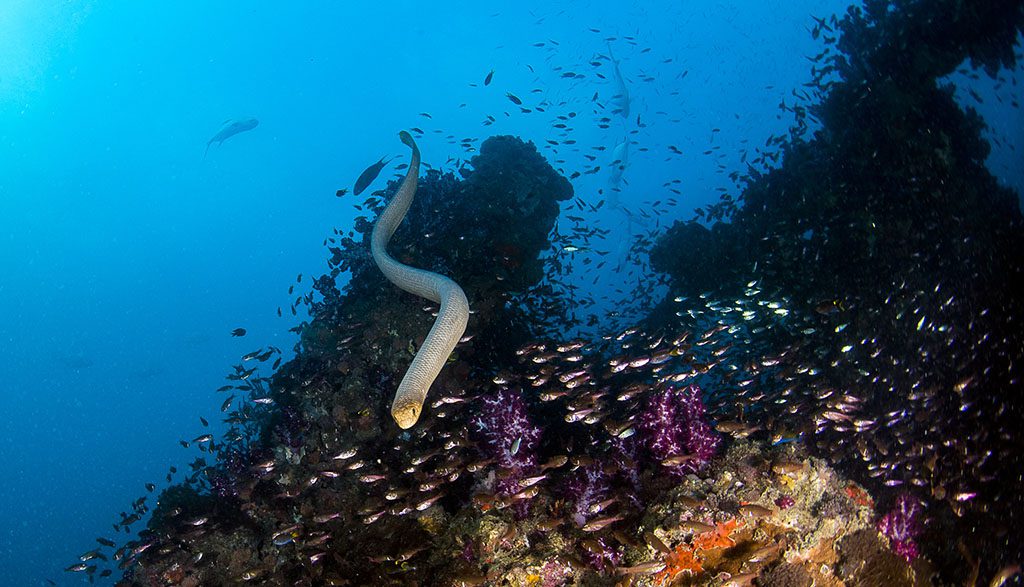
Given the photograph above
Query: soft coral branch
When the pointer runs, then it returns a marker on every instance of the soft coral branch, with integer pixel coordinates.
(901, 526)
(675, 431)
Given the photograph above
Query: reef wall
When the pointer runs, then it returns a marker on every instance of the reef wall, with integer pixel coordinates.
(902, 258)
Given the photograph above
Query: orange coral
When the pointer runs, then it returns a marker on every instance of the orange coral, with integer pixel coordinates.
(680, 560)
(719, 537)
(859, 496)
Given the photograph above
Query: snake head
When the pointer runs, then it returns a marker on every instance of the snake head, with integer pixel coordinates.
(407, 139)
(406, 415)
(409, 142)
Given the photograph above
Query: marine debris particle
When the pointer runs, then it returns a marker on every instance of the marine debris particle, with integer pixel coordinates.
(451, 318)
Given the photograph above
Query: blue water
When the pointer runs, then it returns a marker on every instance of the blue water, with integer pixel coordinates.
(127, 257)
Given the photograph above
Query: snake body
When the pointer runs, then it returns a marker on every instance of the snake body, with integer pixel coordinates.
(451, 318)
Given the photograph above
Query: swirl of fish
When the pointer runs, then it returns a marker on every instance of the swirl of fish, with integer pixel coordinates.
(451, 318)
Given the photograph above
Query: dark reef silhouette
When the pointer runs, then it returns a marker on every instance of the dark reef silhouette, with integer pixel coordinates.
(889, 209)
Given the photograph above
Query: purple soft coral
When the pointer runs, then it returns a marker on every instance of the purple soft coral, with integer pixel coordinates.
(675, 432)
(901, 526)
(602, 554)
(623, 455)
(511, 440)
(586, 488)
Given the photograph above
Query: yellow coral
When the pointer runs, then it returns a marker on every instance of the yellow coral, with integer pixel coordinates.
(432, 522)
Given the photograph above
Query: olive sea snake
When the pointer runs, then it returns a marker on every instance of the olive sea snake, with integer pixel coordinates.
(451, 318)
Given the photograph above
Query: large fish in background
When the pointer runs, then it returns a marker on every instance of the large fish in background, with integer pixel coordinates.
(620, 159)
(368, 175)
(231, 128)
(620, 101)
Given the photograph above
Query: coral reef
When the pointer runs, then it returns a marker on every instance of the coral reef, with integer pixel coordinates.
(537, 481)
(895, 258)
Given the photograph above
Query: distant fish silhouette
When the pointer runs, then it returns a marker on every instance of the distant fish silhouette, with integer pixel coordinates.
(620, 101)
(231, 128)
(367, 176)
(620, 159)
